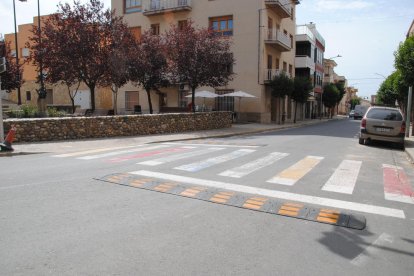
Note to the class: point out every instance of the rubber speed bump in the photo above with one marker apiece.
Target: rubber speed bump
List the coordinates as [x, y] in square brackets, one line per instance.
[241, 200]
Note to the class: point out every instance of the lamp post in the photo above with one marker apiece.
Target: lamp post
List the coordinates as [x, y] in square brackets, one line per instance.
[42, 90]
[19, 97]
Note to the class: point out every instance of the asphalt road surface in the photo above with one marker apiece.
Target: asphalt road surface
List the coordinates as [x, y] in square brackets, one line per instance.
[276, 203]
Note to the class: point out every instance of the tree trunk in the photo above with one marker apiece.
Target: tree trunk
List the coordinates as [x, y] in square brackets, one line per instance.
[115, 95]
[92, 89]
[149, 100]
[278, 109]
[296, 107]
[192, 99]
[73, 104]
[41, 106]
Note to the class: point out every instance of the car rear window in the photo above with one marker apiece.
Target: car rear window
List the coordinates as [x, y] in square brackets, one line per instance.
[384, 114]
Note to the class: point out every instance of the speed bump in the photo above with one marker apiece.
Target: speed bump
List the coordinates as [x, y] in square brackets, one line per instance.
[241, 200]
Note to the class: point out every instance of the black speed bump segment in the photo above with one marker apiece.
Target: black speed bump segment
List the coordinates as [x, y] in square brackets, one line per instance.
[241, 200]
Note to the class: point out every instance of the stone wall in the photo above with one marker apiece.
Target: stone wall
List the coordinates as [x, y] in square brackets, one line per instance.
[50, 129]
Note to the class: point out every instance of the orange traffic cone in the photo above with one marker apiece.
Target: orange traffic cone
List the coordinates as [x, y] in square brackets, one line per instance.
[7, 145]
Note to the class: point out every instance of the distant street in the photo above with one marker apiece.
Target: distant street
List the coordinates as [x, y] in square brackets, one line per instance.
[209, 207]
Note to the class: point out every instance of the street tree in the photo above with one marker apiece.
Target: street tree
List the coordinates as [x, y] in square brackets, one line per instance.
[80, 36]
[148, 64]
[404, 60]
[122, 52]
[199, 57]
[341, 90]
[301, 91]
[10, 79]
[330, 96]
[281, 86]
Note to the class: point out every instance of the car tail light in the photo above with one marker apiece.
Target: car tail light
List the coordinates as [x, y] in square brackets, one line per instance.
[402, 127]
[363, 123]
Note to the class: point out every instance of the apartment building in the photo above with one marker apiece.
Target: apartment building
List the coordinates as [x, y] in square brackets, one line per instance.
[263, 35]
[310, 48]
[411, 30]
[57, 95]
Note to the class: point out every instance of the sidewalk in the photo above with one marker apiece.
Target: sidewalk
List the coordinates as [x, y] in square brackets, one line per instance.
[121, 142]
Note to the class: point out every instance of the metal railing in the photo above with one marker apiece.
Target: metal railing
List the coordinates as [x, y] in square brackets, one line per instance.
[284, 4]
[269, 74]
[278, 36]
[159, 5]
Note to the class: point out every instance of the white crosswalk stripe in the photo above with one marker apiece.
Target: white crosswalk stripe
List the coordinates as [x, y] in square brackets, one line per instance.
[344, 178]
[197, 166]
[89, 157]
[176, 157]
[255, 165]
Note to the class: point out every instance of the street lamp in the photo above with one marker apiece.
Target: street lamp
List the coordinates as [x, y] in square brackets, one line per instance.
[337, 56]
[19, 97]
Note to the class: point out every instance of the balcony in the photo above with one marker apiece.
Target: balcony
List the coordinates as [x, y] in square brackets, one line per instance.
[283, 8]
[279, 40]
[269, 74]
[157, 7]
[304, 62]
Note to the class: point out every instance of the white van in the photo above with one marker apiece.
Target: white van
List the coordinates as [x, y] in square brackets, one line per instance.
[359, 111]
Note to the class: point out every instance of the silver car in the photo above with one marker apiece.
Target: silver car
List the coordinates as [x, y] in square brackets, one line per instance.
[382, 124]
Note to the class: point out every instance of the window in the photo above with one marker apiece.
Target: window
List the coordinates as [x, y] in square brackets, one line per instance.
[277, 64]
[269, 61]
[222, 25]
[224, 103]
[182, 24]
[155, 29]
[25, 52]
[284, 67]
[290, 69]
[133, 6]
[136, 32]
[131, 99]
[182, 100]
[291, 41]
[28, 96]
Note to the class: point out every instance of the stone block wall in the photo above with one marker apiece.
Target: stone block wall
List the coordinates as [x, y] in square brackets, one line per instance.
[71, 128]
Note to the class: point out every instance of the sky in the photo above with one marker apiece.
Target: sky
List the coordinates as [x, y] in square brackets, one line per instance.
[365, 33]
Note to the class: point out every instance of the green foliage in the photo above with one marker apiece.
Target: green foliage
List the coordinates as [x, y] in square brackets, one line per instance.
[330, 95]
[341, 89]
[354, 102]
[29, 111]
[281, 86]
[393, 89]
[404, 61]
[53, 112]
[301, 89]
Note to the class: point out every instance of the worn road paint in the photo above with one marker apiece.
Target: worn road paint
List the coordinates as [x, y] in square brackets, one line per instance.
[198, 166]
[255, 165]
[90, 151]
[371, 251]
[397, 187]
[90, 157]
[147, 154]
[344, 178]
[292, 174]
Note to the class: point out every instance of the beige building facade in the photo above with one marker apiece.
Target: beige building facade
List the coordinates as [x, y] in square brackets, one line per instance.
[263, 36]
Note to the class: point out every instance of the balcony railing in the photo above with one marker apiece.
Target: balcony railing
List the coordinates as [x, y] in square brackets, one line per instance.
[304, 62]
[155, 7]
[269, 74]
[282, 7]
[278, 39]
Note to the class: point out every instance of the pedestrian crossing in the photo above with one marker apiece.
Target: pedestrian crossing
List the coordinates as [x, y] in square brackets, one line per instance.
[180, 157]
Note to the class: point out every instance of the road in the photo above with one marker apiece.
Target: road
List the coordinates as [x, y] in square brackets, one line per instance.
[210, 207]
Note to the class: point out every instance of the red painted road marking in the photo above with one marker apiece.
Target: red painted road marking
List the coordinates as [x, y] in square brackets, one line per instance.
[397, 187]
[147, 154]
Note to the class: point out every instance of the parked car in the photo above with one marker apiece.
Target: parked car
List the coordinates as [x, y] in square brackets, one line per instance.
[359, 111]
[382, 124]
[351, 114]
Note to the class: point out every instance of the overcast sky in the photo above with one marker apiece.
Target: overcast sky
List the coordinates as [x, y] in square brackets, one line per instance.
[364, 32]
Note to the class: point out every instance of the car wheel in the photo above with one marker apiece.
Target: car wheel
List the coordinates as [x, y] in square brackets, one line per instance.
[361, 141]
